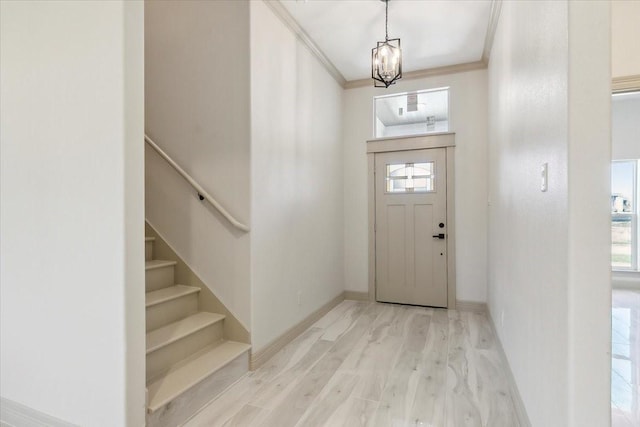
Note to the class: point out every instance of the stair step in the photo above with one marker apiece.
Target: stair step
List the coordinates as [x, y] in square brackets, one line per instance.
[185, 375]
[159, 274]
[158, 263]
[179, 340]
[167, 294]
[172, 332]
[169, 305]
[148, 248]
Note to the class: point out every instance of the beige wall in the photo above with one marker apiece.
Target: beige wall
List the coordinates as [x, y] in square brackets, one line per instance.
[72, 276]
[549, 285]
[296, 171]
[468, 104]
[625, 33]
[198, 111]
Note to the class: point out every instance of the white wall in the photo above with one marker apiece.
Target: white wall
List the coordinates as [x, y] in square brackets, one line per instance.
[625, 126]
[296, 168]
[625, 33]
[72, 277]
[549, 286]
[468, 110]
[197, 110]
[589, 172]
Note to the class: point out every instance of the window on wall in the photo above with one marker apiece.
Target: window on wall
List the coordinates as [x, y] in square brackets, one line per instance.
[624, 215]
[411, 113]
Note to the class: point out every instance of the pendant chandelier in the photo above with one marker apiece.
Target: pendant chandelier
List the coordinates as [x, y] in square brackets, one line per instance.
[386, 57]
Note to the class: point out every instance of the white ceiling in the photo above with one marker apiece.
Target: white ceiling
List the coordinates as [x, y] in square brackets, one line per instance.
[434, 33]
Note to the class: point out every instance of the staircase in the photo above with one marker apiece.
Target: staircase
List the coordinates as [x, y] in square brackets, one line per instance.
[189, 361]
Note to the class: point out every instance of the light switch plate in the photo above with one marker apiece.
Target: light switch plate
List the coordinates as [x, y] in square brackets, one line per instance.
[544, 177]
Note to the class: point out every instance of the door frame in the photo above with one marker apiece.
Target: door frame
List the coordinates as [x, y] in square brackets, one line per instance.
[382, 145]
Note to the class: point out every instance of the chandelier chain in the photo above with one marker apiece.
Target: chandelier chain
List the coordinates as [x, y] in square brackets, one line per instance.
[386, 20]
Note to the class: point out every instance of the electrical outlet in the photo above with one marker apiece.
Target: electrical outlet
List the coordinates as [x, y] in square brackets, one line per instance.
[544, 184]
[299, 298]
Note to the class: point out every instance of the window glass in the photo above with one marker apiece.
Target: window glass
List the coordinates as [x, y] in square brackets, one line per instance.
[624, 215]
[410, 178]
[412, 113]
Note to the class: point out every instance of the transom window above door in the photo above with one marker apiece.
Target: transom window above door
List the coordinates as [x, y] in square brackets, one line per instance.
[411, 113]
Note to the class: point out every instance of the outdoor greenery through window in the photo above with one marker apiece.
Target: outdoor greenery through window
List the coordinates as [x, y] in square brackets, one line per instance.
[624, 215]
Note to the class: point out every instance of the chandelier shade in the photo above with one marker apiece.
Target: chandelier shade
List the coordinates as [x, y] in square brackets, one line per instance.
[386, 58]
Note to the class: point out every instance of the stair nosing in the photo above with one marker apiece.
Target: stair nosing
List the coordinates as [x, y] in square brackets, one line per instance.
[154, 406]
[187, 290]
[158, 263]
[213, 320]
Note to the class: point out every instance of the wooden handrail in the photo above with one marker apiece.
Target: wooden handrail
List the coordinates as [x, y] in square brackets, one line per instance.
[201, 191]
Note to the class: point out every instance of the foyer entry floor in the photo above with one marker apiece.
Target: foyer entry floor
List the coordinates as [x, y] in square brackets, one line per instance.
[372, 364]
[625, 359]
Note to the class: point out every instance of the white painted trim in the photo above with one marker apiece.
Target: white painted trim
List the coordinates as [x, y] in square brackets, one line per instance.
[625, 280]
[281, 12]
[451, 228]
[371, 204]
[261, 356]
[625, 84]
[472, 306]
[357, 296]
[380, 145]
[17, 415]
[518, 404]
[427, 72]
[494, 17]
[416, 142]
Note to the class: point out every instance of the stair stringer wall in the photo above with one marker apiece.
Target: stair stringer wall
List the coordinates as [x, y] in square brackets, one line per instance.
[197, 110]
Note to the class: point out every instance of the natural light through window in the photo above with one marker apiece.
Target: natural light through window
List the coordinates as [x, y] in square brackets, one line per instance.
[410, 178]
[624, 215]
[411, 113]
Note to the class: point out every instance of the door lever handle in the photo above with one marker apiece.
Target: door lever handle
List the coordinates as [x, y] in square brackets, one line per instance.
[439, 236]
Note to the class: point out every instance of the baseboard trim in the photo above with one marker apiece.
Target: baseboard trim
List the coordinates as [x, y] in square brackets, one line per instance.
[473, 306]
[14, 414]
[521, 412]
[261, 356]
[357, 296]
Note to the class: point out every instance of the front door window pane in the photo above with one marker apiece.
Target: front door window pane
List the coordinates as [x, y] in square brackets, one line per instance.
[410, 178]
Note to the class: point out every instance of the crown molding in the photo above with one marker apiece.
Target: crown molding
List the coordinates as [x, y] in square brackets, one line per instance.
[281, 12]
[428, 72]
[494, 17]
[625, 84]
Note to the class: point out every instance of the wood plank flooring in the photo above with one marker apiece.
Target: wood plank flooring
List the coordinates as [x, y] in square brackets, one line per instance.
[372, 364]
[625, 358]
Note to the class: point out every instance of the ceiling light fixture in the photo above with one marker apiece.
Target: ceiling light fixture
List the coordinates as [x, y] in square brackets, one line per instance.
[386, 57]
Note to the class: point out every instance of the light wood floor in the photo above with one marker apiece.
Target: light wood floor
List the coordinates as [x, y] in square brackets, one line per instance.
[625, 359]
[371, 364]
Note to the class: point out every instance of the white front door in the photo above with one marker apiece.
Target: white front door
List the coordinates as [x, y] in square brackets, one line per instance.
[410, 227]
